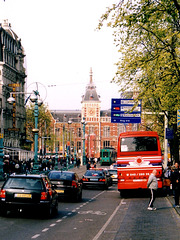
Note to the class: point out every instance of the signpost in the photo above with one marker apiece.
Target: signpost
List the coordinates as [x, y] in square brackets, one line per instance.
[121, 111]
[178, 118]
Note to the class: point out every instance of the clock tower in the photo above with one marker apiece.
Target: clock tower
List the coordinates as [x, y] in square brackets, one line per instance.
[91, 113]
[91, 103]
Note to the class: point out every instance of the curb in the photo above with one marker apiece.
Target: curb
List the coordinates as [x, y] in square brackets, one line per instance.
[171, 200]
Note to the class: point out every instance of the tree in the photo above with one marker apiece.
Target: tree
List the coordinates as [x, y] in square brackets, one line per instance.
[44, 123]
[147, 34]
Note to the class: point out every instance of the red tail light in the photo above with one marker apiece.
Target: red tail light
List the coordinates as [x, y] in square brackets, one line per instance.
[74, 184]
[102, 179]
[44, 195]
[50, 192]
[84, 179]
[2, 194]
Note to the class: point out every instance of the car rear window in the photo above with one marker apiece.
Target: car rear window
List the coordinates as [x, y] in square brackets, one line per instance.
[61, 176]
[24, 183]
[94, 173]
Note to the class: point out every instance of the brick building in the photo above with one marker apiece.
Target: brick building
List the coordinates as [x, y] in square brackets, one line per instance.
[99, 131]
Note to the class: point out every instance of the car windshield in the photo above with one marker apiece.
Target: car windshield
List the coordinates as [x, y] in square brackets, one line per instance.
[61, 176]
[94, 173]
[24, 183]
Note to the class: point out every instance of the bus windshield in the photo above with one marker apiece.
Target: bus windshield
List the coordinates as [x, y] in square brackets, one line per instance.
[137, 144]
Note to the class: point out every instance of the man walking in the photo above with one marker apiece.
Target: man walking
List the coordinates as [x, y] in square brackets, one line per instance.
[152, 184]
[175, 180]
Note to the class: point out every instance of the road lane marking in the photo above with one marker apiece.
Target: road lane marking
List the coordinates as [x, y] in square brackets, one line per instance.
[36, 236]
[108, 221]
[60, 220]
[53, 224]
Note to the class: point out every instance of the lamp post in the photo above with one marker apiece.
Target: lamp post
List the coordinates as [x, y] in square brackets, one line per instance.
[34, 98]
[69, 123]
[84, 154]
[56, 147]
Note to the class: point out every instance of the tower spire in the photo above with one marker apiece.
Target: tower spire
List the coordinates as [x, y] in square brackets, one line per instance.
[91, 74]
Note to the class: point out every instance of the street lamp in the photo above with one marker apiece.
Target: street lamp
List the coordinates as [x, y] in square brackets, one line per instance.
[34, 97]
[56, 146]
[69, 123]
[84, 154]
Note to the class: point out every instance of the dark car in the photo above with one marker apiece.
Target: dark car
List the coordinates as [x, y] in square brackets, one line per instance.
[96, 178]
[28, 192]
[67, 184]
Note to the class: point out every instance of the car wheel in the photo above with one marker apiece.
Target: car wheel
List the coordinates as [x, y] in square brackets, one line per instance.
[48, 211]
[55, 208]
[106, 187]
[80, 196]
[3, 212]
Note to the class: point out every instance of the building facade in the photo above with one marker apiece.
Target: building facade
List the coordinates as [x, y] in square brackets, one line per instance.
[99, 131]
[12, 80]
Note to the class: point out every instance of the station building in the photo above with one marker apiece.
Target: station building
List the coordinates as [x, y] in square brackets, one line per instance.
[99, 131]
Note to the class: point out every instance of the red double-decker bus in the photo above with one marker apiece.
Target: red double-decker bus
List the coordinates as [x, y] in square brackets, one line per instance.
[138, 154]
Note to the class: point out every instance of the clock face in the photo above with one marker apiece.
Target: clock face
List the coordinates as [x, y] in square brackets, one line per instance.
[91, 112]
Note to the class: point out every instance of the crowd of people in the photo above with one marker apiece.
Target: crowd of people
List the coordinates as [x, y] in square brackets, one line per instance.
[171, 182]
[45, 164]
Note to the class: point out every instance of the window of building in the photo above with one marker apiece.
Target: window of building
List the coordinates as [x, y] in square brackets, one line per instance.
[79, 134]
[91, 129]
[106, 144]
[78, 146]
[106, 131]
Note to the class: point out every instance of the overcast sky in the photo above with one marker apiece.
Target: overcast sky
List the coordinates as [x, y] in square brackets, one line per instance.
[61, 45]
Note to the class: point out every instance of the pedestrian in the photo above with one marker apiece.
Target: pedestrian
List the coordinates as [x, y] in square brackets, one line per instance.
[88, 166]
[175, 180]
[94, 166]
[152, 184]
[78, 162]
[167, 179]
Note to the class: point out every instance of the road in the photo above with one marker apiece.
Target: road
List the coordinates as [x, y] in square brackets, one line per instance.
[101, 215]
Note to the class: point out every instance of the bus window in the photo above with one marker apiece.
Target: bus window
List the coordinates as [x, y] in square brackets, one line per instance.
[137, 144]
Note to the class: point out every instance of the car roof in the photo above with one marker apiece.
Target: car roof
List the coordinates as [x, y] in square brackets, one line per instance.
[59, 171]
[96, 169]
[27, 175]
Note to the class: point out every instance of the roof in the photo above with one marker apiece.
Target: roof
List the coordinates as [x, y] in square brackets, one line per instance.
[7, 26]
[91, 94]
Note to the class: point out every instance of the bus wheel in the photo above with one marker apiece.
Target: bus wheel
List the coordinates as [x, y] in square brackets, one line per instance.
[123, 193]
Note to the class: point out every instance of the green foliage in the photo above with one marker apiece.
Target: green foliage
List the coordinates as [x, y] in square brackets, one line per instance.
[44, 122]
[147, 34]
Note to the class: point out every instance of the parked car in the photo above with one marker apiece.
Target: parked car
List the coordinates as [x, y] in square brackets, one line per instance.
[28, 192]
[113, 175]
[95, 178]
[67, 184]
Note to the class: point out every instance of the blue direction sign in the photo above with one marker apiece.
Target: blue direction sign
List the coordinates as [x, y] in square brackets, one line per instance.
[178, 118]
[121, 111]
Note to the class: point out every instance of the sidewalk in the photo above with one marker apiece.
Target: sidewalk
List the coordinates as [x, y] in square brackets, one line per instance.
[171, 200]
